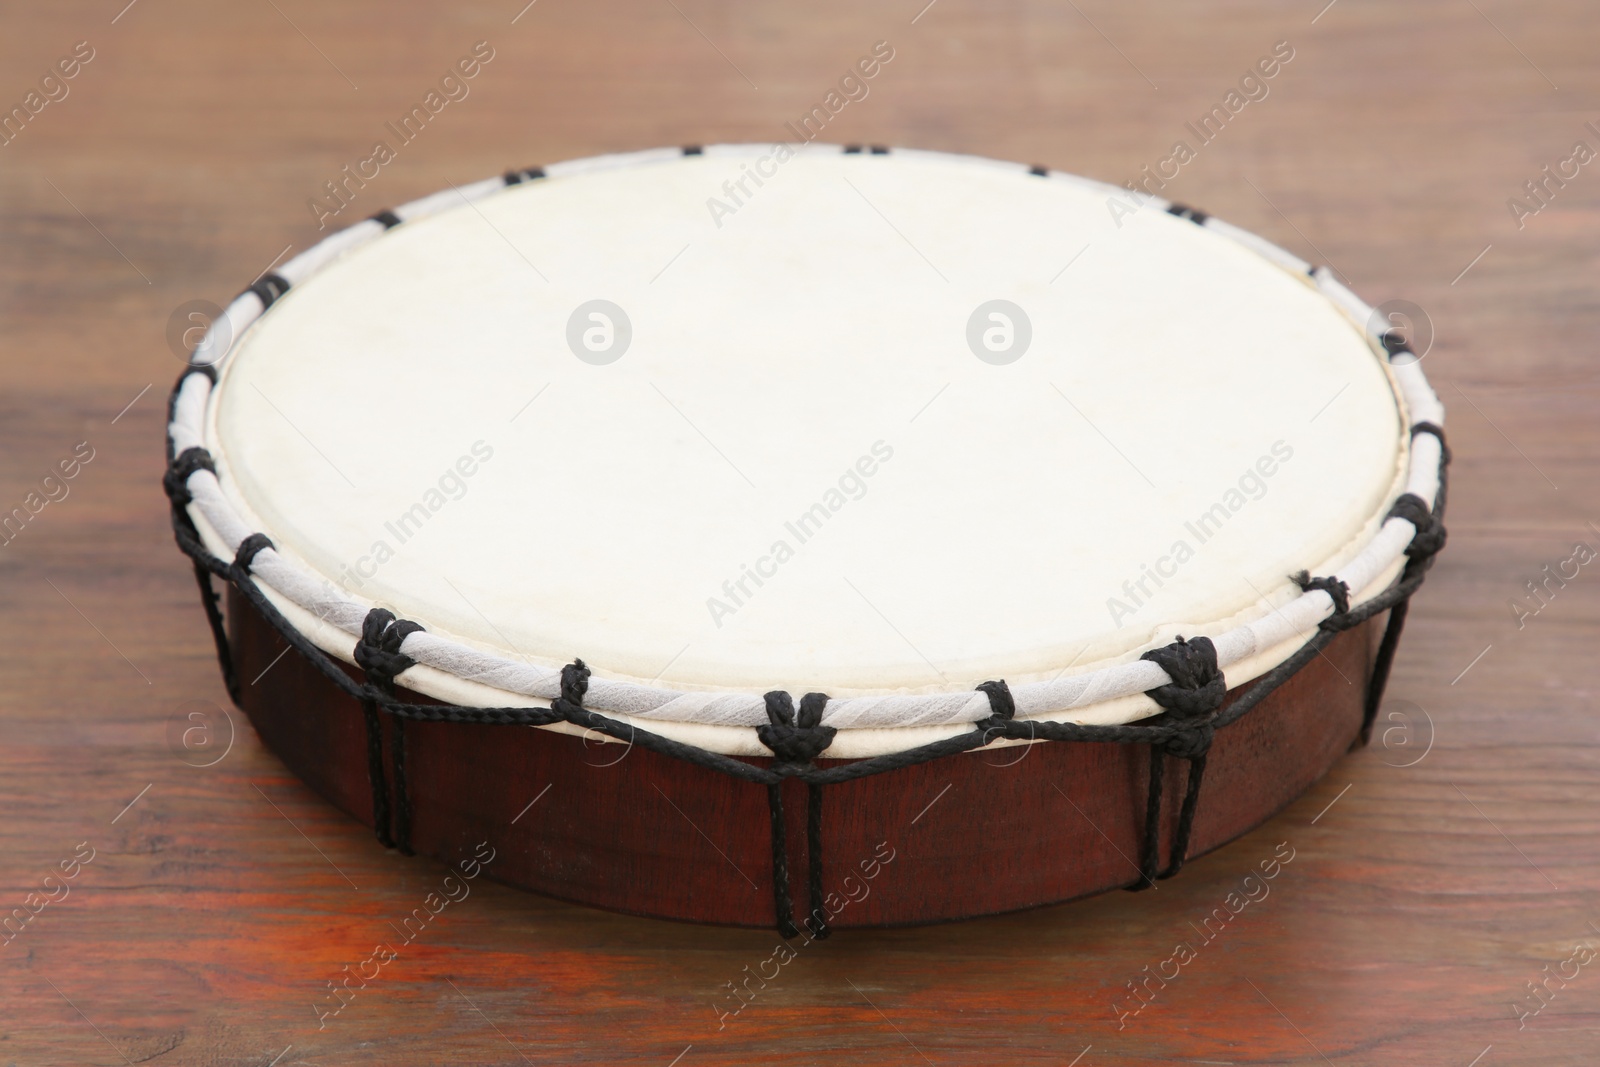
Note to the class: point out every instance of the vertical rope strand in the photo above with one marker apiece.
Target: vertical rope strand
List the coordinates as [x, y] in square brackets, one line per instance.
[1149, 852]
[380, 788]
[1381, 666]
[210, 599]
[402, 795]
[1191, 802]
[782, 907]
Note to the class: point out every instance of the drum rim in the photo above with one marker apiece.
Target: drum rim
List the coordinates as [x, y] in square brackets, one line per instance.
[1114, 693]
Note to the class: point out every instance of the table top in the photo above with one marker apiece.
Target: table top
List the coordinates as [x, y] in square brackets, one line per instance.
[1439, 904]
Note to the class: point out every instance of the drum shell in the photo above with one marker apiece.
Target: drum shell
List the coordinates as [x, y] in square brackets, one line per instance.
[627, 829]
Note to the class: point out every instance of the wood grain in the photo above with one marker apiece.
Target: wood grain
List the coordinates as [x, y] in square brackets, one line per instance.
[1434, 874]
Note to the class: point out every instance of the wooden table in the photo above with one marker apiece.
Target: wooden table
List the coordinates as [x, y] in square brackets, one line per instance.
[1435, 874]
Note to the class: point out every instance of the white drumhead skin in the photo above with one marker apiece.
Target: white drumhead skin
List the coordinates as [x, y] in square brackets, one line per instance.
[809, 356]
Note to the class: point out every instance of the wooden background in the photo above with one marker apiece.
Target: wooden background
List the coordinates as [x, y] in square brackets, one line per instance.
[1422, 898]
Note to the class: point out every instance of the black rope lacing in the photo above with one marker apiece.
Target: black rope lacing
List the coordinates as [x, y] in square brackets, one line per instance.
[176, 483]
[378, 654]
[1193, 702]
[1002, 707]
[796, 740]
[1338, 592]
[269, 288]
[1184, 211]
[1394, 343]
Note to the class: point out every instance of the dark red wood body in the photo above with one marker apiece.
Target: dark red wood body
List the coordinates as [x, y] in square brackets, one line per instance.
[628, 829]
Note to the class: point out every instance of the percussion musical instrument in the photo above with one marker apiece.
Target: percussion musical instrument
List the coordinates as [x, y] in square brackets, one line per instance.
[788, 535]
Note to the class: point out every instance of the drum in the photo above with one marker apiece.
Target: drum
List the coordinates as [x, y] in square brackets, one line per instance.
[805, 537]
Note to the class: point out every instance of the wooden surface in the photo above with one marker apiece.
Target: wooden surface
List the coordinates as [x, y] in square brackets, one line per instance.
[1433, 876]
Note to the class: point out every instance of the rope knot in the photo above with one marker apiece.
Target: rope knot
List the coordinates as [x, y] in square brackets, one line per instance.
[1191, 742]
[1002, 708]
[176, 480]
[1337, 590]
[1197, 687]
[1394, 342]
[269, 288]
[249, 548]
[378, 652]
[1437, 431]
[796, 738]
[1430, 535]
[575, 682]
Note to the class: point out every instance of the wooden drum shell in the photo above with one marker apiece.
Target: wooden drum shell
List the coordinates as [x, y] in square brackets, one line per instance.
[624, 828]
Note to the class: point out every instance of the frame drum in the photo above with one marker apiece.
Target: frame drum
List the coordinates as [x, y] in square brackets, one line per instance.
[764, 536]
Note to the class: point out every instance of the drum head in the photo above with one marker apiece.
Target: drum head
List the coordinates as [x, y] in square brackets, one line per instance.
[857, 423]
